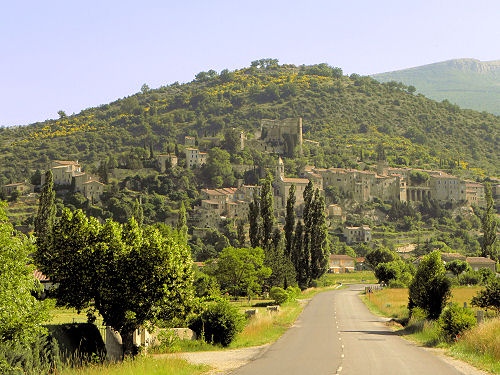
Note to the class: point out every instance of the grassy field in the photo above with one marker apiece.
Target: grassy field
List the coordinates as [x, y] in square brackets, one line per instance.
[61, 315]
[392, 302]
[480, 346]
[359, 277]
[146, 365]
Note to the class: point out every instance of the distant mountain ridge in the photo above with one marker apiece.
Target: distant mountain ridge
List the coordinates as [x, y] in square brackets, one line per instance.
[469, 83]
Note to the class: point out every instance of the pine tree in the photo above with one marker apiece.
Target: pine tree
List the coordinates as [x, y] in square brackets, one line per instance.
[289, 221]
[489, 226]
[253, 219]
[44, 219]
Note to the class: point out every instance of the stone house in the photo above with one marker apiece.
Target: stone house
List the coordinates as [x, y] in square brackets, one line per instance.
[476, 263]
[21, 187]
[195, 158]
[357, 234]
[164, 160]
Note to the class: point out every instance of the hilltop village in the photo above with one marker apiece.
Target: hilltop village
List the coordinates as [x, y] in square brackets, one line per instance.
[378, 182]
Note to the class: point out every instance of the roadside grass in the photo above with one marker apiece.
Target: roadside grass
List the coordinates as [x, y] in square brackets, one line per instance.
[145, 365]
[480, 346]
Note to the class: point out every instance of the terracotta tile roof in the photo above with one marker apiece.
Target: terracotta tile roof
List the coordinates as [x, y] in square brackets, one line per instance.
[340, 256]
[295, 180]
[66, 162]
[40, 276]
[481, 260]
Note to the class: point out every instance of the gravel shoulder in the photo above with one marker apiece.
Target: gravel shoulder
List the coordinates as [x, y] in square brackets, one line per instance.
[224, 361]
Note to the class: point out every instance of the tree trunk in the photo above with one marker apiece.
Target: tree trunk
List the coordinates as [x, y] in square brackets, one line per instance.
[129, 348]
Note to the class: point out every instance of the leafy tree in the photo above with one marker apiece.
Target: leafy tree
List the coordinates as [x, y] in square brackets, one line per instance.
[232, 140]
[61, 114]
[380, 255]
[386, 272]
[289, 221]
[457, 266]
[21, 314]
[489, 226]
[145, 89]
[430, 288]
[46, 210]
[130, 275]
[240, 271]
[218, 170]
[488, 298]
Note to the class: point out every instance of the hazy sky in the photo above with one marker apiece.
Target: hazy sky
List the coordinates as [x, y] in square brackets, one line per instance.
[75, 54]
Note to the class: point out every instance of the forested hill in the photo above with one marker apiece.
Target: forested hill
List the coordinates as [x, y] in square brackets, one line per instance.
[469, 83]
[348, 115]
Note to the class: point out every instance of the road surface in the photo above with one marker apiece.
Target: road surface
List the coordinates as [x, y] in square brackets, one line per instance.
[336, 334]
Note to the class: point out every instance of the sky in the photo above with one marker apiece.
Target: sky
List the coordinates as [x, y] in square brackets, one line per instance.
[71, 55]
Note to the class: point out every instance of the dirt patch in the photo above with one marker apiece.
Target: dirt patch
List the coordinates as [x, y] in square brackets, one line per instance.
[224, 361]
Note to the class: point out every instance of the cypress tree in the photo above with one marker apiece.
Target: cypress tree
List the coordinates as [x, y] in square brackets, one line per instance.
[299, 260]
[253, 220]
[319, 255]
[44, 219]
[489, 227]
[138, 213]
[240, 231]
[182, 222]
[289, 221]
[267, 213]
[306, 242]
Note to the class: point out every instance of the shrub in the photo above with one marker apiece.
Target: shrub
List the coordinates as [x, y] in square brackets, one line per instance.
[218, 323]
[489, 298]
[41, 356]
[279, 295]
[293, 291]
[455, 320]
[469, 278]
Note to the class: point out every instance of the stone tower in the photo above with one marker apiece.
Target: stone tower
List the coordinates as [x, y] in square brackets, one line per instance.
[280, 170]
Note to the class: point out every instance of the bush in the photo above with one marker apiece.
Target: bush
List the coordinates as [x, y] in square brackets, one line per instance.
[469, 278]
[293, 291]
[489, 298]
[279, 295]
[39, 357]
[218, 323]
[397, 284]
[455, 320]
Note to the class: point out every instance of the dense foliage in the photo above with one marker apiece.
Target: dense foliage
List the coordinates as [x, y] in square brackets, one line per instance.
[218, 323]
[455, 320]
[346, 114]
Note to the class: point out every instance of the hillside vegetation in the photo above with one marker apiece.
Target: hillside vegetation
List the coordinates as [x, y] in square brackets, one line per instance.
[348, 115]
[469, 83]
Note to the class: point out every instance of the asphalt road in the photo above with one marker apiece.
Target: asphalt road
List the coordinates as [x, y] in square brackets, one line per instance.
[336, 334]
